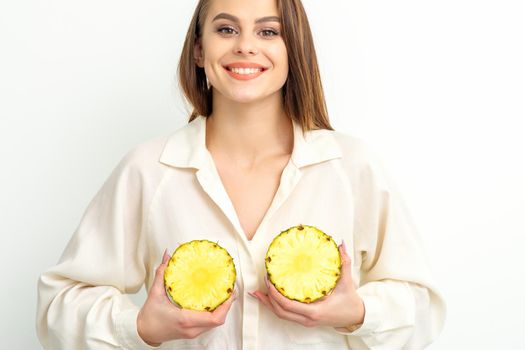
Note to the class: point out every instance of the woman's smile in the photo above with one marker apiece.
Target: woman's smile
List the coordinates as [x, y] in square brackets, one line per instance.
[244, 70]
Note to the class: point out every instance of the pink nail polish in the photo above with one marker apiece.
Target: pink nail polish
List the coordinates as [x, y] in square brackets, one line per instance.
[165, 256]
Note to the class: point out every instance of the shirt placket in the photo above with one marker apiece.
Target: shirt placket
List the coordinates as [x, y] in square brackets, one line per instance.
[249, 251]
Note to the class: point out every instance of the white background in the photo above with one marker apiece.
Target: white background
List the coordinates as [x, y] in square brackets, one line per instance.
[436, 87]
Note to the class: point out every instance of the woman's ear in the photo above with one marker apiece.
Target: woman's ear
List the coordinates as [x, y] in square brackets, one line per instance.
[198, 53]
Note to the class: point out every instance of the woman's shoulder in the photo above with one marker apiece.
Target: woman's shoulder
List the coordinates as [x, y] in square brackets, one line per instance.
[141, 161]
[145, 153]
[361, 160]
[355, 149]
[138, 169]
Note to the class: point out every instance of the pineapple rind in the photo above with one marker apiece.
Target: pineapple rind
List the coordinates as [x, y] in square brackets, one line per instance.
[322, 261]
[200, 276]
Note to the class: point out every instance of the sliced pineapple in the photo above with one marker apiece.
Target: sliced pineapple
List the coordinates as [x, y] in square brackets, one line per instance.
[303, 263]
[200, 275]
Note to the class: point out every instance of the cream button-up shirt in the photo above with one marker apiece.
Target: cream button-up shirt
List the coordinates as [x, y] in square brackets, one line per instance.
[167, 191]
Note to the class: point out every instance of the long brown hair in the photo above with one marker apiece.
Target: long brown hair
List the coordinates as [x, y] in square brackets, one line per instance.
[303, 94]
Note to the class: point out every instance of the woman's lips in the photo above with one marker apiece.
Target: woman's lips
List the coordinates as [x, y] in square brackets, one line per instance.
[245, 76]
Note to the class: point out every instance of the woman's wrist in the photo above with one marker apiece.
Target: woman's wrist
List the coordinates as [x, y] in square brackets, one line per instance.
[141, 331]
[359, 315]
[356, 310]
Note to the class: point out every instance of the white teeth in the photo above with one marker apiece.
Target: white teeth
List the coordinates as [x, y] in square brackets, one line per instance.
[246, 70]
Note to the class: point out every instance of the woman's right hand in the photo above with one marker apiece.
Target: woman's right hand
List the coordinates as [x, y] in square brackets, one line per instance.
[159, 320]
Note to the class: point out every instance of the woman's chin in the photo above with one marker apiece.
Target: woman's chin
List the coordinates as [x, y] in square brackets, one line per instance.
[245, 97]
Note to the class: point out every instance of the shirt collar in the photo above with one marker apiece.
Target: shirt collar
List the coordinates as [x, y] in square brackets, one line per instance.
[186, 147]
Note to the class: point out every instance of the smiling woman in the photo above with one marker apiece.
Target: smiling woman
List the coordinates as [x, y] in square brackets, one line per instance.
[282, 34]
[257, 156]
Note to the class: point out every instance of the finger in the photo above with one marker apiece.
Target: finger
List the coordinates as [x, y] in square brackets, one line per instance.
[209, 319]
[223, 309]
[288, 315]
[166, 257]
[287, 304]
[280, 312]
[346, 263]
[158, 288]
[193, 332]
[158, 283]
[263, 298]
[197, 319]
[343, 244]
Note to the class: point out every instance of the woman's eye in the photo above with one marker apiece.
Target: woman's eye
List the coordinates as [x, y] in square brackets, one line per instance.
[226, 30]
[269, 32]
[231, 31]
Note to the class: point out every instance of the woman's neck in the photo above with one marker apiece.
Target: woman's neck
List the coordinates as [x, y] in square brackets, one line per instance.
[250, 132]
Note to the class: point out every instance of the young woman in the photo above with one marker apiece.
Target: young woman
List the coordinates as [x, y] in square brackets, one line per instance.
[257, 157]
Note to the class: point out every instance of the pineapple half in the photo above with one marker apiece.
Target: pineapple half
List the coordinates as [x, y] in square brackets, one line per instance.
[303, 263]
[200, 275]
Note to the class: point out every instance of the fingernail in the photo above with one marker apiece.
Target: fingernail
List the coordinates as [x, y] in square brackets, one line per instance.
[253, 295]
[165, 256]
[344, 246]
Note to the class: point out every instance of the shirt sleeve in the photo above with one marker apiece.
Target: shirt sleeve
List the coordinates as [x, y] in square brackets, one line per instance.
[82, 301]
[403, 308]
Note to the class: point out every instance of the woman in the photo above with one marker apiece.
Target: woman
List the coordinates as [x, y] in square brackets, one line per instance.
[258, 156]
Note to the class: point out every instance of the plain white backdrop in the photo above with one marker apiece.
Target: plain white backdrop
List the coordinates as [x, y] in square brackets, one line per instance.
[436, 87]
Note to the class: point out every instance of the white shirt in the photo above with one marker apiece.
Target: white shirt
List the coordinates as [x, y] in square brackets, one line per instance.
[167, 191]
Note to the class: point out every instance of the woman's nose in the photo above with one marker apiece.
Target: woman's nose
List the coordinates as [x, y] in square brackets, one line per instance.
[246, 44]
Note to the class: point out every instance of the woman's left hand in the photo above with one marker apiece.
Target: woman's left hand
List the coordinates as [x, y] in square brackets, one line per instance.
[340, 309]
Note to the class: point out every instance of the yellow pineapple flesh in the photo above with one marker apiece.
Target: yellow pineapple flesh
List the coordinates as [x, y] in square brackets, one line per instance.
[303, 263]
[200, 275]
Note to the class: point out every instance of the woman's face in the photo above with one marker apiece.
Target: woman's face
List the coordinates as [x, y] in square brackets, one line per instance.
[242, 50]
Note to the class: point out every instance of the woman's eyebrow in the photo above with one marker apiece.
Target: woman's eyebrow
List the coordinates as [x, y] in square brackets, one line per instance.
[236, 19]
